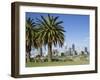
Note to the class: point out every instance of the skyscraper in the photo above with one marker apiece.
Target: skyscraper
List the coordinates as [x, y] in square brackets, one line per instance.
[73, 47]
[85, 49]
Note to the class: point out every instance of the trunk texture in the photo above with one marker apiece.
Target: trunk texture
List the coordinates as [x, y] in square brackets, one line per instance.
[41, 51]
[49, 52]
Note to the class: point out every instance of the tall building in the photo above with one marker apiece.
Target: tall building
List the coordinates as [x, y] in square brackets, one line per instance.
[86, 50]
[73, 47]
[73, 50]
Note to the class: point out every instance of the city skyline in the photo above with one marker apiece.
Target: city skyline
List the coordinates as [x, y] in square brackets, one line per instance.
[64, 50]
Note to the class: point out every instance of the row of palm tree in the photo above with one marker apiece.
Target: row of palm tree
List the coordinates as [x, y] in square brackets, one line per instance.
[46, 31]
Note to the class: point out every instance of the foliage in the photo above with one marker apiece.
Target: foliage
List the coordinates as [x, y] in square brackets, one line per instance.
[62, 54]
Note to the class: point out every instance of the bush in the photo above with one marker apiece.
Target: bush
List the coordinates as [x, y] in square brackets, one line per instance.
[62, 54]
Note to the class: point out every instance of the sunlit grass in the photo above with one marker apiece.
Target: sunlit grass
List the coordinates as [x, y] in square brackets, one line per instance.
[74, 61]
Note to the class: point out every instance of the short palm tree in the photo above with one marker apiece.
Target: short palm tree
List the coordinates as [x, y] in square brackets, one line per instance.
[51, 32]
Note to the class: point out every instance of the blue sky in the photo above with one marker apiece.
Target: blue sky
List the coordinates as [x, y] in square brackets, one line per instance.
[76, 27]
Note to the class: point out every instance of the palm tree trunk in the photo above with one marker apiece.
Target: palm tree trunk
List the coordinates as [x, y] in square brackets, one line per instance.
[49, 52]
[41, 51]
[28, 54]
[28, 59]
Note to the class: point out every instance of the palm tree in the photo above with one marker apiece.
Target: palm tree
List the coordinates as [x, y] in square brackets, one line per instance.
[30, 37]
[51, 32]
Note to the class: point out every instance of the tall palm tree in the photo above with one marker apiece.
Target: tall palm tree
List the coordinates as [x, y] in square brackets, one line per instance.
[51, 32]
[30, 37]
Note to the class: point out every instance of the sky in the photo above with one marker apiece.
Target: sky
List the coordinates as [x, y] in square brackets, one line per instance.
[75, 25]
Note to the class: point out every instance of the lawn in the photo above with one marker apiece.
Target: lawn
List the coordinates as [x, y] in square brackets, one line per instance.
[58, 63]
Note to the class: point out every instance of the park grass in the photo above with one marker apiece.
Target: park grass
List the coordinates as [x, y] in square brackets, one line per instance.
[57, 63]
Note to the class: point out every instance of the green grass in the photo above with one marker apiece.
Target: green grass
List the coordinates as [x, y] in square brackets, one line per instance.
[57, 63]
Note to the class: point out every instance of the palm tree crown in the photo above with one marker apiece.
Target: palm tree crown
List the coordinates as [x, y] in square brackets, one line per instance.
[51, 30]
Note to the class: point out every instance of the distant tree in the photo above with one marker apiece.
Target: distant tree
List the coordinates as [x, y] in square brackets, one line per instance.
[82, 52]
[62, 54]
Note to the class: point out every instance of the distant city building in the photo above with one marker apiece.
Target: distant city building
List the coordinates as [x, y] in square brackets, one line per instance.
[73, 47]
[74, 52]
[86, 50]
